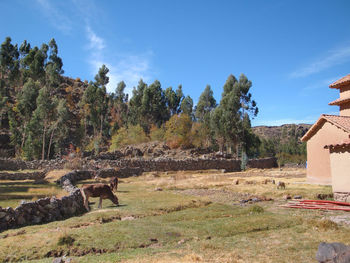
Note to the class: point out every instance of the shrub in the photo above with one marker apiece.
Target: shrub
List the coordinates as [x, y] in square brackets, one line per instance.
[132, 135]
[178, 131]
[74, 164]
[256, 209]
[65, 240]
[323, 224]
[157, 134]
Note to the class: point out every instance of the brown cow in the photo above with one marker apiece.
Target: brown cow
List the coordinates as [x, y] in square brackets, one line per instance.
[103, 191]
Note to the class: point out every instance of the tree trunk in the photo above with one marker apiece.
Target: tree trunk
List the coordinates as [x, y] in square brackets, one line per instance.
[23, 137]
[101, 125]
[50, 142]
[43, 149]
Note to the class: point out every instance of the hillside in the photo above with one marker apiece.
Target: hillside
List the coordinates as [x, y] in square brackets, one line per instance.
[284, 132]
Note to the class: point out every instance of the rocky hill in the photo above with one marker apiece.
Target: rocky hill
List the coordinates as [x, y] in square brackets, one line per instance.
[282, 132]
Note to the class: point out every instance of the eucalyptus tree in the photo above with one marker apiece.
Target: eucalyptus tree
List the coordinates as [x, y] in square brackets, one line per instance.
[94, 103]
[53, 67]
[206, 104]
[187, 106]
[235, 104]
[153, 106]
[135, 104]
[119, 109]
[173, 99]
[46, 114]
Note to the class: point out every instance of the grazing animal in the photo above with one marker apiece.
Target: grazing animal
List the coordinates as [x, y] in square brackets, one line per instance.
[113, 183]
[103, 191]
[281, 185]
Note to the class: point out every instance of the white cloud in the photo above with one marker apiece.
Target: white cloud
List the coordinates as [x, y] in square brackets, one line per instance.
[95, 42]
[322, 84]
[334, 57]
[55, 15]
[129, 68]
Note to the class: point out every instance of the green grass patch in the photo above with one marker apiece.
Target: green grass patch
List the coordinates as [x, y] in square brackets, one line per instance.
[164, 226]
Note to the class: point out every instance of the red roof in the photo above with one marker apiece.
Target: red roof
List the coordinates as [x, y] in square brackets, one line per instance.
[337, 145]
[340, 82]
[339, 101]
[342, 122]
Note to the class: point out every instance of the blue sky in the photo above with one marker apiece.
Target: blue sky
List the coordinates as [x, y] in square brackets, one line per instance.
[290, 49]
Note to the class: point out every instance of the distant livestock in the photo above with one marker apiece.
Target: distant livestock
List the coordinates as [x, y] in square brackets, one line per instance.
[281, 185]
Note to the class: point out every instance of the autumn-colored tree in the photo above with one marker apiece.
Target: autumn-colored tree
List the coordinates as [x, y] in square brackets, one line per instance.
[178, 131]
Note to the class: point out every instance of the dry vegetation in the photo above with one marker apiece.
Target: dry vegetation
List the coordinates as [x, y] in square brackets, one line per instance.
[188, 217]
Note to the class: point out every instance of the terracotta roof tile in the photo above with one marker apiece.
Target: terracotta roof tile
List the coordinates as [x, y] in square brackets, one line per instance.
[339, 101]
[342, 122]
[340, 82]
[337, 145]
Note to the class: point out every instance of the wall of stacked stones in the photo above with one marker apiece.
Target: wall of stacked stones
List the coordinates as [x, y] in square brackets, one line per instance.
[47, 209]
[146, 165]
[22, 176]
[229, 165]
[342, 197]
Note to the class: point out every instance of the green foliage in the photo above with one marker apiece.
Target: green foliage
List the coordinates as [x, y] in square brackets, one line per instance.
[119, 107]
[205, 105]
[157, 134]
[173, 99]
[153, 106]
[65, 240]
[126, 136]
[94, 104]
[256, 209]
[230, 120]
[187, 106]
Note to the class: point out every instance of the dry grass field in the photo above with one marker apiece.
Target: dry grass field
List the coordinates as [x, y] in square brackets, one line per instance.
[188, 217]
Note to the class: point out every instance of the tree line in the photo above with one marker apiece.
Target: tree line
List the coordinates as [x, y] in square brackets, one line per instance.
[43, 120]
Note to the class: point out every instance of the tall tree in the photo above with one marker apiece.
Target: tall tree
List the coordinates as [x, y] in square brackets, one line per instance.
[54, 66]
[236, 101]
[187, 106]
[26, 105]
[153, 110]
[135, 104]
[119, 109]
[94, 103]
[173, 99]
[9, 64]
[45, 113]
[59, 129]
[206, 103]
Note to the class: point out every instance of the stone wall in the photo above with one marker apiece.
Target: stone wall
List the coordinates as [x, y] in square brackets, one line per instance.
[341, 197]
[22, 176]
[46, 209]
[167, 164]
[135, 166]
[16, 164]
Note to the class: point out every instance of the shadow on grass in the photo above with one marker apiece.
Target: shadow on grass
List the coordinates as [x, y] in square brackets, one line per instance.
[20, 197]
